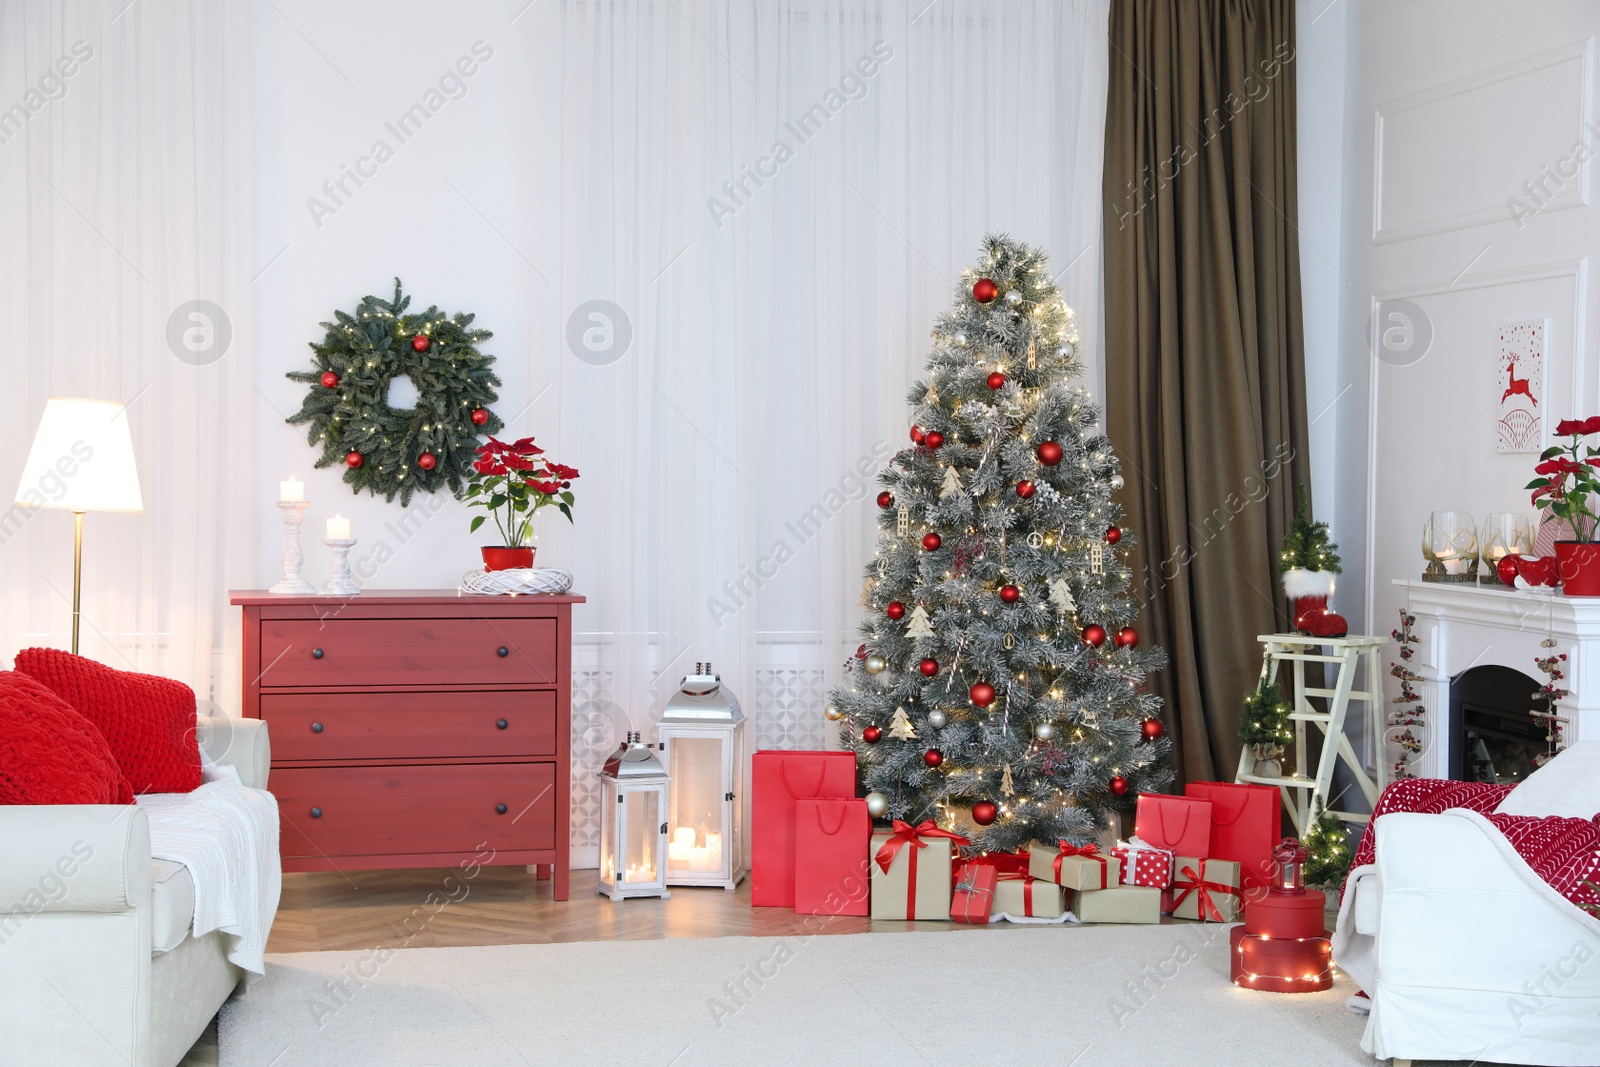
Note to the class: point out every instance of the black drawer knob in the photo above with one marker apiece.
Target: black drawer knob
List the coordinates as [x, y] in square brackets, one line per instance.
[501, 808]
[501, 724]
[316, 813]
[316, 727]
[502, 652]
[316, 653]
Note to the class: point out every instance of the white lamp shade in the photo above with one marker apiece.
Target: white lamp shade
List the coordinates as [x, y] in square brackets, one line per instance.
[82, 459]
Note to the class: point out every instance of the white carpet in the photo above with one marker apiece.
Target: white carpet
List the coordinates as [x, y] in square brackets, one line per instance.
[1124, 995]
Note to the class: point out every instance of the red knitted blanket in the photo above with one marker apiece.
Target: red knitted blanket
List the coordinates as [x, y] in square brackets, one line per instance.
[1564, 852]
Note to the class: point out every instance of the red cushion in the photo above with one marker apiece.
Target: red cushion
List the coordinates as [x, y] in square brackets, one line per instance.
[49, 754]
[149, 722]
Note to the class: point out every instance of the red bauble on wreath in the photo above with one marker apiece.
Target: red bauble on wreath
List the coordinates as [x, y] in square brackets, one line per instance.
[353, 459]
[427, 461]
[1010, 594]
[1094, 635]
[871, 734]
[1113, 535]
[329, 380]
[1049, 453]
[895, 610]
[886, 499]
[420, 342]
[933, 757]
[984, 813]
[982, 694]
[479, 416]
[1026, 490]
[1118, 785]
[1127, 637]
[931, 542]
[932, 439]
[984, 291]
[928, 667]
[997, 380]
[1153, 729]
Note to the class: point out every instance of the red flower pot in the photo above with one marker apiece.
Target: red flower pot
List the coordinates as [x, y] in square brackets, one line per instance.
[1578, 564]
[501, 558]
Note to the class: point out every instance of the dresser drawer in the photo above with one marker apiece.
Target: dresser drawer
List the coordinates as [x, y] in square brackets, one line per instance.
[347, 726]
[376, 811]
[460, 651]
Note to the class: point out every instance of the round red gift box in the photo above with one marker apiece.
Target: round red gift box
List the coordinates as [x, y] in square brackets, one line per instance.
[1285, 914]
[1280, 964]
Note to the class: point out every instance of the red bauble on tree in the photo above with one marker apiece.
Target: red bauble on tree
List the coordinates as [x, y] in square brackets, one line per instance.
[932, 439]
[982, 694]
[1010, 594]
[1153, 729]
[427, 461]
[420, 342]
[895, 609]
[916, 434]
[330, 380]
[928, 667]
[1026, 490]
[1118, 785]
[933, 757]
[1049, 453]
[871, 734]
[1094, 634]
[479, 416]
[984, 812]
[1113, 535]
[886, 499]
[997, 380]
[984, 290]
[353, 459]
[1127, 637]
[931, 542]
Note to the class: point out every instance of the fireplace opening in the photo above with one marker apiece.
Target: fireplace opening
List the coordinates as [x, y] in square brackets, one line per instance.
[1493, 737]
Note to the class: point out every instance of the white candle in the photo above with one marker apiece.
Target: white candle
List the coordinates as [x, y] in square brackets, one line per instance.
[714, 847]
[683, 835]
[338, 528]
[679, 855]
[291, 491]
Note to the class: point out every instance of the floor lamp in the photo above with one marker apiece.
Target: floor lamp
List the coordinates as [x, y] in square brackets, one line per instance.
[81, 460]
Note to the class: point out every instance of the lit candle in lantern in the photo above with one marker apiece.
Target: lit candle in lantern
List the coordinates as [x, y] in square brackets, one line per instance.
[338, 528]
[292, 491]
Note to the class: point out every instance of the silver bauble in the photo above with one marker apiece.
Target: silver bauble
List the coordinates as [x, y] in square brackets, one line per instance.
[832, 713]
[937, 719]
[1013, 297]
[1044, 731]
[876, 664]
[961, 338]
[877, 805]
[1117, 482]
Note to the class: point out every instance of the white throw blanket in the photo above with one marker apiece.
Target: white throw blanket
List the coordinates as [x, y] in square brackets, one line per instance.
[227, 836]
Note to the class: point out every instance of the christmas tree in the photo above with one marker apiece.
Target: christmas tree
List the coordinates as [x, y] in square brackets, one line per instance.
[1026, 700]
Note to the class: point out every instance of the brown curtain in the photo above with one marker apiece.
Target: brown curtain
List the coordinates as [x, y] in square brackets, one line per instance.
[1205, 365]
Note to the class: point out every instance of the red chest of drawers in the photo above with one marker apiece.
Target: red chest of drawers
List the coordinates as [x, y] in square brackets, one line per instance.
[415, 728]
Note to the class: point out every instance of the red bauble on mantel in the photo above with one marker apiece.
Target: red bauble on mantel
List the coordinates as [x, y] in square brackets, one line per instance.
[420, 342]
[330, 380]
[982, 694]
[1094, 635]
[928, 667]
[353, 459]
[427, 461]
[1118, 785]
[1026, 490]
[1049, 453]
[1507, 569]
[984, 812]
[933, 757]
[932, 439]
[1127, 637]
[1153, 729]
[1010, 594]
[886, 499]
[1113, 535]
[997, 380]
[931, 542]
[479, 416]
[895, 610]
[871, 734]
[984, 290]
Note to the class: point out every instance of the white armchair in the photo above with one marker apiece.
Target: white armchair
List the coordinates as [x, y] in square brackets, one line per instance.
[97, 965]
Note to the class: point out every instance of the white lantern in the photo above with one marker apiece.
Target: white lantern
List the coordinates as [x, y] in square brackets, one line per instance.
[702, 745]
[633, 825]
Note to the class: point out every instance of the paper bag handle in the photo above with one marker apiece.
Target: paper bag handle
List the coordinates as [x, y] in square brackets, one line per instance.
[1161, 822]
[811, 794]
[844, 813]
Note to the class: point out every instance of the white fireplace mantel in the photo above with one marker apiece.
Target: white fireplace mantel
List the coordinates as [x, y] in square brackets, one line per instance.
[1465, 626]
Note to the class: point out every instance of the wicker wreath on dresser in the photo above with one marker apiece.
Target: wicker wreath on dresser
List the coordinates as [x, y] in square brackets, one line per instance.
[516, 580]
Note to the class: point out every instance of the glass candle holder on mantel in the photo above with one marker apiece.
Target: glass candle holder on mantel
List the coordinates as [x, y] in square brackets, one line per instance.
[1503, 533]
[1450, 545]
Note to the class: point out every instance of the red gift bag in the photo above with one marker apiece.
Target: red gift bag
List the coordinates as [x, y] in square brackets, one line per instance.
[1244, 826]
[830, 857]
[1181, 825]
[778, 780]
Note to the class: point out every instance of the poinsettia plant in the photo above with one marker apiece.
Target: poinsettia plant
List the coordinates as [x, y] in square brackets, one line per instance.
[512, 481]
[1567, 477]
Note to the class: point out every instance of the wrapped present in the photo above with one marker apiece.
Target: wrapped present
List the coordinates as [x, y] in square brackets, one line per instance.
[1144, 864]
[1280, 964]
[1206, 889]
[1181, 825]
[911, 871]
[1287, 915]
[1019, 895]
[972, 899]
[1244, 826]
[1004, 862]
[1119, 904]
[778, 780]
[830, 849]
[1074, 866]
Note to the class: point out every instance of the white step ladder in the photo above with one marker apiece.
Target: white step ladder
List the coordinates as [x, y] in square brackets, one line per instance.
[1301, 793]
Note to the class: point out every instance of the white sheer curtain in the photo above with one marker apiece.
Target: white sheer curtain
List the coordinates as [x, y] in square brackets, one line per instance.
[125, 192]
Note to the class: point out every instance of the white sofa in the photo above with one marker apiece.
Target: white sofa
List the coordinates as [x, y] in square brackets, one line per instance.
[1462, 958]
[97, 965]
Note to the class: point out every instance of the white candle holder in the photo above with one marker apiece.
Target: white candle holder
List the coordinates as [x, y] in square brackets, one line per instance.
[339, 582]
[293, 557]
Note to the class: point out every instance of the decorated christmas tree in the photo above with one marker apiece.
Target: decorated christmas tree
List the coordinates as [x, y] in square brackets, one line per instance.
[1025, 691]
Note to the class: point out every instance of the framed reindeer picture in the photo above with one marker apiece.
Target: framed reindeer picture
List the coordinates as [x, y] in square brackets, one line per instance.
[1519, 385]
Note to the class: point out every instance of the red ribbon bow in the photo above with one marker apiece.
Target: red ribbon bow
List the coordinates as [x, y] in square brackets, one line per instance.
[915, 836]
[1204, 905]
[1088, 851]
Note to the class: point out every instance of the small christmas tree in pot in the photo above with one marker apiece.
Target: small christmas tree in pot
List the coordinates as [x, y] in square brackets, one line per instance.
[1310, 565]
[1264, 727]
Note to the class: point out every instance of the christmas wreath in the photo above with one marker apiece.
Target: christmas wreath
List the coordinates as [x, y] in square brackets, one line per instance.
[399, 450]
